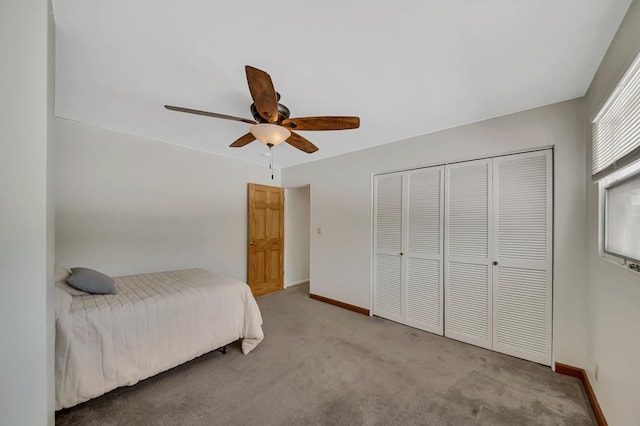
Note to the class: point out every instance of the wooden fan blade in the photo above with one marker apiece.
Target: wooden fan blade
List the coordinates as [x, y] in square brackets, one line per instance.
[301, 143]
[243, 140]
[322, 123]
[209, 114]
[263, 93]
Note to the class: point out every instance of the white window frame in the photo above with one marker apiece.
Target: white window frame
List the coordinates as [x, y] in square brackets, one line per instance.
[628, 172]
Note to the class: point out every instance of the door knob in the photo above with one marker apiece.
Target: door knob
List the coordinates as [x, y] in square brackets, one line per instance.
[251, 243]
[495, 263]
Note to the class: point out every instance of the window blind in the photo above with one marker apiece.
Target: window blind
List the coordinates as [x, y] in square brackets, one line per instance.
[616, 128]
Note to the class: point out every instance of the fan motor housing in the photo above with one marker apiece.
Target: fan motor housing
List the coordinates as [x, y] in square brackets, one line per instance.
[283, 114]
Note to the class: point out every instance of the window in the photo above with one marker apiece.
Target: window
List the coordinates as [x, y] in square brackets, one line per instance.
[622, 218]
[616, 167]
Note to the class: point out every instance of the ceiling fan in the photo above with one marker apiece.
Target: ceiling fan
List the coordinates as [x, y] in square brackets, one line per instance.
[271, 124]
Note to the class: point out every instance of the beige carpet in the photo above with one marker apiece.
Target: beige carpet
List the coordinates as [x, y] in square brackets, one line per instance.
[322, 365]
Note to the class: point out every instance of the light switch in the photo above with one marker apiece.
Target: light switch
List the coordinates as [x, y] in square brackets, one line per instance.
[319, 230]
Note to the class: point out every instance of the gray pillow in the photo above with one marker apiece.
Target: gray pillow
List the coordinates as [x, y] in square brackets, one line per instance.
[91, 281]
[61, 274]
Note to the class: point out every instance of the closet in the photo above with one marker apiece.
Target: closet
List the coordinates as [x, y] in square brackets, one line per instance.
[408, 248]
[464, 250]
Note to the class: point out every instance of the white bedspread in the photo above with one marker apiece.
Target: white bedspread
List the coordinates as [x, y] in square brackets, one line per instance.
[155, 322]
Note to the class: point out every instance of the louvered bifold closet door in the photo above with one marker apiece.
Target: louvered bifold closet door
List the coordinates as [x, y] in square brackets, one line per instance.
[522, 276]
[424, 235]
[388, 294]
[467, 279]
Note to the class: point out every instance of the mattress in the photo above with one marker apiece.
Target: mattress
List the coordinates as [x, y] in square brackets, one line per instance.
[155, 322]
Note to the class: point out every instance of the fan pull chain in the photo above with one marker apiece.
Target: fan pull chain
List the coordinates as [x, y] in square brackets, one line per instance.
[271, 160]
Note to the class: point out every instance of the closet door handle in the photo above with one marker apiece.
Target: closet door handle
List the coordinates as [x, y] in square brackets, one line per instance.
[401, 254]
[495, 263]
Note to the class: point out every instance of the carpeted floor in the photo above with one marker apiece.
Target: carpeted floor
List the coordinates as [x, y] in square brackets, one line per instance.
[322, 365]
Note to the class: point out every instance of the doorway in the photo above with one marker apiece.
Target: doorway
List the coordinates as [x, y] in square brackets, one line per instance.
[297, 235]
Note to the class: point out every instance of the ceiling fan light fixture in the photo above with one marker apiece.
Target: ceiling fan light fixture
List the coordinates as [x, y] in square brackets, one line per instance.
[270, 134]
[272, 122]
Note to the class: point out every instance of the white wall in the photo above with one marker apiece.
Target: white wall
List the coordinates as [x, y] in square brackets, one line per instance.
[296, 235]
[341, 204]
[25, 397]
[126, 205]
[613, 339]
[51, 332]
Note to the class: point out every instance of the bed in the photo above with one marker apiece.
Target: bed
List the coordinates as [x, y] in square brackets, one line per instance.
[153, 323]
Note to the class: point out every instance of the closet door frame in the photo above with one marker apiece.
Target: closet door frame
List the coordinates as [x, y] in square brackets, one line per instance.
[493, 255]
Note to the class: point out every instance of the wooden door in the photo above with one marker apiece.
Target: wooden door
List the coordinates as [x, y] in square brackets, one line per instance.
[266, 239]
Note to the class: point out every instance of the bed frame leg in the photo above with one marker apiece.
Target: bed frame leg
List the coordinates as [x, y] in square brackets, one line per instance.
[223, 349]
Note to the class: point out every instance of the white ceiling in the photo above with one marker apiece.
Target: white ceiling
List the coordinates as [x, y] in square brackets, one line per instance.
[406, 67]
